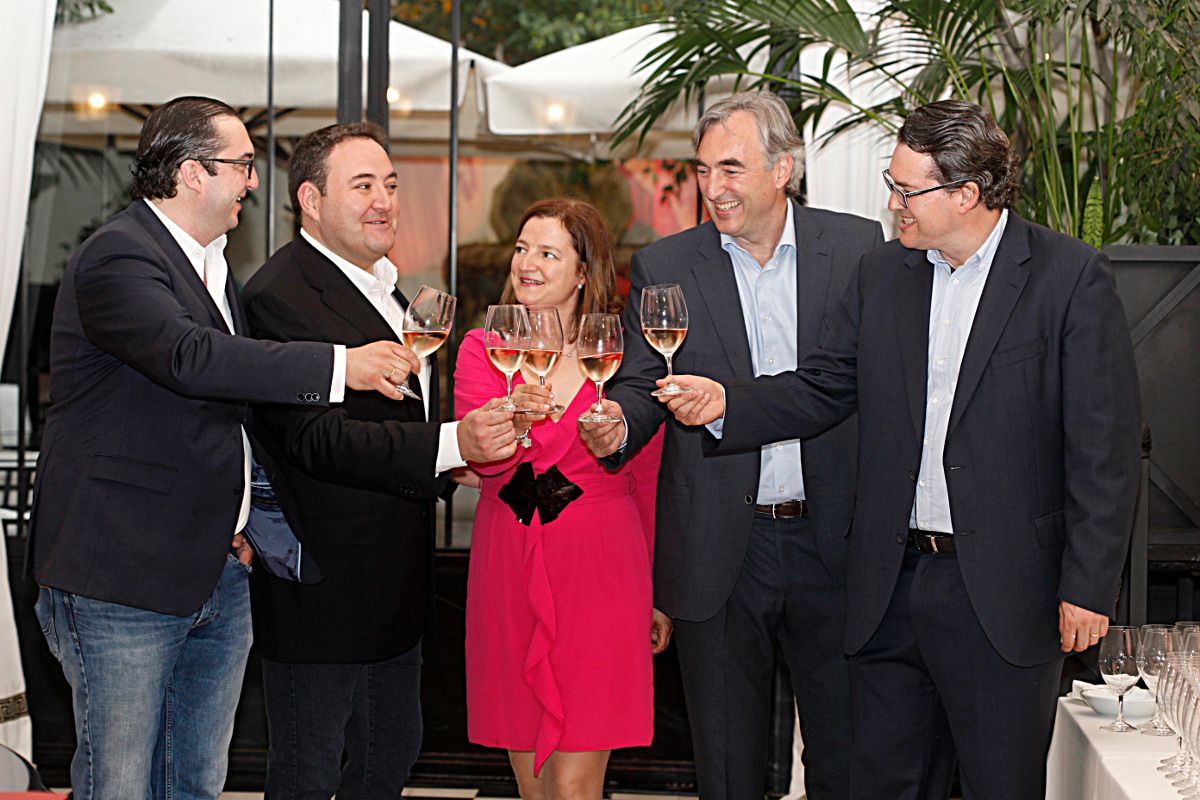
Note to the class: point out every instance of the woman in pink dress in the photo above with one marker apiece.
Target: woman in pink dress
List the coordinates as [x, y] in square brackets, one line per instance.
[560, 626]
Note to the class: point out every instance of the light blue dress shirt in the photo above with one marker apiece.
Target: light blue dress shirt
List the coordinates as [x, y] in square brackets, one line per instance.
[768, 296]
[955, 299]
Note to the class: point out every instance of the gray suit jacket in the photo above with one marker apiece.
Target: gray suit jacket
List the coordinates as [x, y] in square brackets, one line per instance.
[706, 504]
[1042, 449]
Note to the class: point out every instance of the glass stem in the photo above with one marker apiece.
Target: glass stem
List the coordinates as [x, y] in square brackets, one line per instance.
[542, 381]
[508, 376]
[670, 372]
[1120, 709]
[599, 396]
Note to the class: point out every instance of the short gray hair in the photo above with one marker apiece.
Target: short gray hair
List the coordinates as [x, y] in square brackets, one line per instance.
[776, 129]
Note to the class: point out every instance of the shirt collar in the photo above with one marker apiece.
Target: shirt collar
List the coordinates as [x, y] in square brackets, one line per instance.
[380, 280]
[985, 253]
[191, 248]
[787, 238]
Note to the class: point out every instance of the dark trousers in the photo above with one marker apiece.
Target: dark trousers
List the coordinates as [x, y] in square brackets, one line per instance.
[930, 669]
[349, 729]
[784, 594]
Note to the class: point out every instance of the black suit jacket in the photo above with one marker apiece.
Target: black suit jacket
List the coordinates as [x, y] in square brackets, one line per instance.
[1042, 449]
[706, 504]
[141, 473]
[356, 482]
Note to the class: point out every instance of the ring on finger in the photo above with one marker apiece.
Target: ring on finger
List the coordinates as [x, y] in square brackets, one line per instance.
[388, 377]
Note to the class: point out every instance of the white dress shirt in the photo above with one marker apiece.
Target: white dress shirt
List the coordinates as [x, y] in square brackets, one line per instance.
[952, 308]
[379, 286]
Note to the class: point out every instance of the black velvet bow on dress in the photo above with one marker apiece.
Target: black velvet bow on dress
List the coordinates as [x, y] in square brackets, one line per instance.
[549, 493]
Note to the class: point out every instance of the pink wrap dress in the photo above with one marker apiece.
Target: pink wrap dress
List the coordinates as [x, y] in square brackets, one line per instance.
[558, 615]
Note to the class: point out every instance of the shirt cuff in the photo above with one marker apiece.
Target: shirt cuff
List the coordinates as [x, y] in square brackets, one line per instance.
[625, 440]
[717, 426]
[448, 456]
[337, 390]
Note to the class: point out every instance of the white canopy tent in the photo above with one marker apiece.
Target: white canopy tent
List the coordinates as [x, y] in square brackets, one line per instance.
[580, 92]
[147, 51]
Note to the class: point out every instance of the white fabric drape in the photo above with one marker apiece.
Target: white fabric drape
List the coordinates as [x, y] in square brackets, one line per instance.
[24, 63]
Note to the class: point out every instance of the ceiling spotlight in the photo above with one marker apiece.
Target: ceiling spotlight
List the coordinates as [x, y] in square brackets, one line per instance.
[97, 101]
[393, 94]
[555, 112]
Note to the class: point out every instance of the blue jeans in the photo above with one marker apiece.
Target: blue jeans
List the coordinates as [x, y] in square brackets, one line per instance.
[371, 713]
[154, 694]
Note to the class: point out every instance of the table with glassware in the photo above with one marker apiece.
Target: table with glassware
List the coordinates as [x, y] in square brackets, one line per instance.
[1097, 754]
[1089, 763]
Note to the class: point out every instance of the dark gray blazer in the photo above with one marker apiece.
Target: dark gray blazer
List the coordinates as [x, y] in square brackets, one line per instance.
[141, 473]
[1042, 450]
[706, 503]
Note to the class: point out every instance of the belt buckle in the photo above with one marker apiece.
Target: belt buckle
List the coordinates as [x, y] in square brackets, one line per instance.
[773, 507]
[933, 543]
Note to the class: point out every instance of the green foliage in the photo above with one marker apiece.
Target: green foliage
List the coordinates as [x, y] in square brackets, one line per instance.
[1054, 74]
[78, 10]
[514, 31]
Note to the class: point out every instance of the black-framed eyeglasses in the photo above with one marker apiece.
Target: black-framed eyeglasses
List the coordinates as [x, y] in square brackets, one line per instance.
[246, 163]
[903, 196]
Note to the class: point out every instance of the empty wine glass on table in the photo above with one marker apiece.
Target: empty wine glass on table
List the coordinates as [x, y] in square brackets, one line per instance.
[1157, 642]
[545, 346]
[1118, 667]
[665, 324]
[599, 350]
[506, 341]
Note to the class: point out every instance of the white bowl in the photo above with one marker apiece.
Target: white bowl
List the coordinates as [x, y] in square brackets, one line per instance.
[1139, 703]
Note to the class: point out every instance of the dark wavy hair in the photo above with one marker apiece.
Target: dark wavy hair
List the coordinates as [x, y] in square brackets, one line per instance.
[177, 130]
[593, 242]
[966, 144]
[310, 159]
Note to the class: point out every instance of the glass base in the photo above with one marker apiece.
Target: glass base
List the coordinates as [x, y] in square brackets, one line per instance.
[1157, 728]
[508, 405]
[1118, 726]
[597, 416]
[671, 389]
[554, 409]
[407, 392]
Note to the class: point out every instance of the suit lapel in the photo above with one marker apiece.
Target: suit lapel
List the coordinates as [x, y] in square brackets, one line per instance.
[713, 271]
[340, 295]
[812, 279]
[914, 295]
[178, 260]
[1005, 282]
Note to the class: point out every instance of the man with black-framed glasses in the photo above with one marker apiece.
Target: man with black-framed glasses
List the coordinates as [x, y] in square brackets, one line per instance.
[142, 493]
[990, 363]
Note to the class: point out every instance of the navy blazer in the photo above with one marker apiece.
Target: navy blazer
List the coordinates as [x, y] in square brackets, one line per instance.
[1043, 446]
[141, 474]
[705, 505]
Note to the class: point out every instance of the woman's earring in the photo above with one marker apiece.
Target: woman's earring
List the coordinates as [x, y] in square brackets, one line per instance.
[580, 286]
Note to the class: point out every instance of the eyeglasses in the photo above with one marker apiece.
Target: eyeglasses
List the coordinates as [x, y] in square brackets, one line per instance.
[903, 196]
[246, 164]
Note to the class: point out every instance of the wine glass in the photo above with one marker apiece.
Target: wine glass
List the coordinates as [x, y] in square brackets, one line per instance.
[506, 340]
[427, 323]
[599, 350]
[665, 324]
[1118, 667]
[545, 347]
[1157, 642]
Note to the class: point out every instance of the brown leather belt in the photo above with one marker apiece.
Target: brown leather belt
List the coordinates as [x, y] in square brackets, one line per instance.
[939, 543]
[790, 509]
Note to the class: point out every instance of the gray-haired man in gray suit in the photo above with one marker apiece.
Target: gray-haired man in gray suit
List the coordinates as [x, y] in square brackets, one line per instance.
[749, 552]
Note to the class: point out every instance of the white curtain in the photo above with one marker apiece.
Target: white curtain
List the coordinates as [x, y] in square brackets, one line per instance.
[24, 63]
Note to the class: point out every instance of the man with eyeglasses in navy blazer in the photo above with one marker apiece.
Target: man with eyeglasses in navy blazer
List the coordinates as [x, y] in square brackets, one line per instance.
[142, 489]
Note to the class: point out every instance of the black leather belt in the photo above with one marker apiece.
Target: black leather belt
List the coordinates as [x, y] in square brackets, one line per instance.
[926, 542]
[790, 509]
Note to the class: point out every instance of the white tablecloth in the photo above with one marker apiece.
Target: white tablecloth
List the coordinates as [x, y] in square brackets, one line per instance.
[1087, 763]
